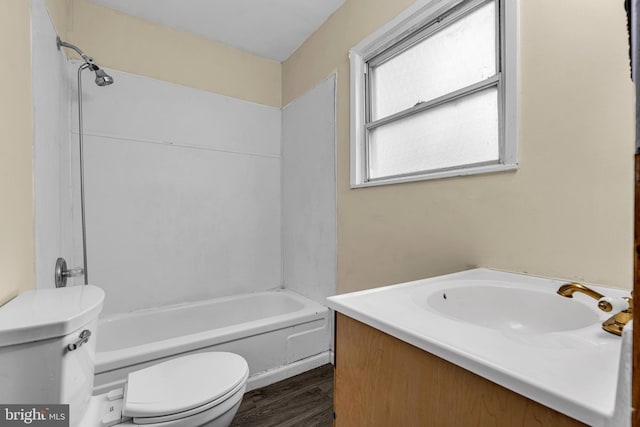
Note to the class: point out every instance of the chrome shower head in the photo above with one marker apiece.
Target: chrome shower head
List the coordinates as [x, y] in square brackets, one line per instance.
[102, 78]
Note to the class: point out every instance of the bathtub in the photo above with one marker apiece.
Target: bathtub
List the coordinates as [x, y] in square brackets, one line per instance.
[279, 333]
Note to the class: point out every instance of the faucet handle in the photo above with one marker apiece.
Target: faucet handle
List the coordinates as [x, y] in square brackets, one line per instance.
[622, 306]
[613, 304]
[617, 322]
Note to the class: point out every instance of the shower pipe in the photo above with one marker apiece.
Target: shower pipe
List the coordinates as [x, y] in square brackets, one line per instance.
[102, 79]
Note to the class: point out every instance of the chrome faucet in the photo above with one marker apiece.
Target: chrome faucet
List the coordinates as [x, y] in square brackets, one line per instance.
[615, 323]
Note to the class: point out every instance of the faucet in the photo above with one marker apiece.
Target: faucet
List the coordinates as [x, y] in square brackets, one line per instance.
[615, 323]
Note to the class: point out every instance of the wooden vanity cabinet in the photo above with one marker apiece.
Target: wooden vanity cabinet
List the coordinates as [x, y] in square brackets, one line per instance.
[386, 382]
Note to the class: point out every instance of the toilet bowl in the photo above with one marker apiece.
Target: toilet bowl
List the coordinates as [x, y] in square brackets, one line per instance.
[203, 389]
[51, 334]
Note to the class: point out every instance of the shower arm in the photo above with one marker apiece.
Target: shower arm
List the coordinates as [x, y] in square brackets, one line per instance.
[87, 59]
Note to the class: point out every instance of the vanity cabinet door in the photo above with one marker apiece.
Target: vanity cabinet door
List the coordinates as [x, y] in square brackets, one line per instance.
[383, 381]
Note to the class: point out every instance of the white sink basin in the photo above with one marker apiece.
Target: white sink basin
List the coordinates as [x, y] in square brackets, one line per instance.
[513, 330]
[519, 310]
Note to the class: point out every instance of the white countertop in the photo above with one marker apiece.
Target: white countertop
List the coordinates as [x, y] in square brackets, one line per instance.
[574, 371]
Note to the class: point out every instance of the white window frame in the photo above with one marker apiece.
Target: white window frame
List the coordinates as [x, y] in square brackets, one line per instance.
[408, 22]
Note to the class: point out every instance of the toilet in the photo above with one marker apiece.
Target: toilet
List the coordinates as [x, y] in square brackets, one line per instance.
[47, 356]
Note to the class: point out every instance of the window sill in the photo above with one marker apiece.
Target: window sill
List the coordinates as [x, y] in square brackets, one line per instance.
[439, 175]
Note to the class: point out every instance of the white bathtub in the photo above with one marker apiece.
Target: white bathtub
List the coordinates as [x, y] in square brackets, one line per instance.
[279, 333]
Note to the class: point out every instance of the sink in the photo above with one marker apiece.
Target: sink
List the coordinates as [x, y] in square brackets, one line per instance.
[511, 329]
[523, 311]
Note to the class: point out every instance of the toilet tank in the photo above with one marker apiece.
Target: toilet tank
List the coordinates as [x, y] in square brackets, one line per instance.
[37, 366]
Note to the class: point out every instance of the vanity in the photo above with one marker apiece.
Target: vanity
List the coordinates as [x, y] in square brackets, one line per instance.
[480, 347]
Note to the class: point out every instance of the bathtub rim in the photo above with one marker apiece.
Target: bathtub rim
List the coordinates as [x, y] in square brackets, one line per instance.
[196, 303]
[111, 360]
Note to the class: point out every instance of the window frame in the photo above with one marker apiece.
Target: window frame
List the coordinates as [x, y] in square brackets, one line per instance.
[415, 24]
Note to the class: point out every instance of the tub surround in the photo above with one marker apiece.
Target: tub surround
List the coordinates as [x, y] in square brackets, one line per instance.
[51, 130]
[182, 187]
[553, 368]
[309, 241]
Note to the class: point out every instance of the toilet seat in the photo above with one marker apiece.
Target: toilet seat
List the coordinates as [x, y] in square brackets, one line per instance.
[184, 387]
[223, 412]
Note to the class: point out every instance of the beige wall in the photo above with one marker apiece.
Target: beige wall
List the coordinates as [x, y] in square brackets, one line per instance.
[16, 182]
[60, 11]
[567, 212]
[126, 43]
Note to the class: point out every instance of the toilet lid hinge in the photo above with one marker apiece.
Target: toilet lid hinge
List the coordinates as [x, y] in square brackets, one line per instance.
[113, 409]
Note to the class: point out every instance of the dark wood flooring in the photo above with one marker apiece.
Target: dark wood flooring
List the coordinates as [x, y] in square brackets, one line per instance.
[305, 400]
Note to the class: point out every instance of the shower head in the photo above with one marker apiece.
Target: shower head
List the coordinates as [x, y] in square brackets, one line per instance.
[102, 78]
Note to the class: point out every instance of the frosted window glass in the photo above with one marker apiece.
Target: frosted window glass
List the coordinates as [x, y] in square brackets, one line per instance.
[461, 54]
[461, 132]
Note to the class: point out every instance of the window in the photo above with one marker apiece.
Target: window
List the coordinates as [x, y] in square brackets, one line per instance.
[433, 94]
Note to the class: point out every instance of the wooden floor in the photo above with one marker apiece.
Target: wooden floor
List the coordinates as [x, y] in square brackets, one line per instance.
[304, 400]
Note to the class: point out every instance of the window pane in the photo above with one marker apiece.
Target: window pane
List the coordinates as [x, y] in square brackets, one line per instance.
[461, 132]
[459, 55]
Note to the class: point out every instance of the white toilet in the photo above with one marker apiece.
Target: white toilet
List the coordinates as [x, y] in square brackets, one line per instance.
[47, 355]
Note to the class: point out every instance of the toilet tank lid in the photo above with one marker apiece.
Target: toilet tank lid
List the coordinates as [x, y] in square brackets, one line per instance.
[48, 313]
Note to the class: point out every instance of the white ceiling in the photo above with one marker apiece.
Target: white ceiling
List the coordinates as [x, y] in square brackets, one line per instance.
[272, 29]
